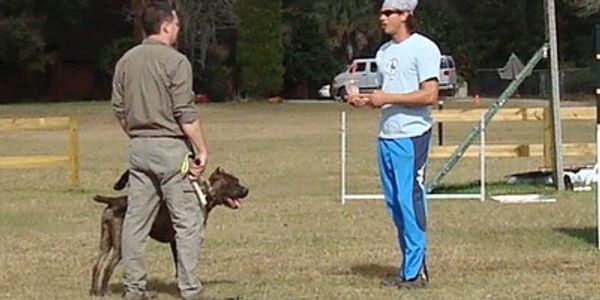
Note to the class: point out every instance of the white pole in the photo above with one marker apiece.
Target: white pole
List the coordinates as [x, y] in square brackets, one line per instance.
[343, 157]
[482, 157]
[597, 179]
[596, 167]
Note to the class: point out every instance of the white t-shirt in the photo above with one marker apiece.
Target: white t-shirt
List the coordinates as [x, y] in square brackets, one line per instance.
[403, 67]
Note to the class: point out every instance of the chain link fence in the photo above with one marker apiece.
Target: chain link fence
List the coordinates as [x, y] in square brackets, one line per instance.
[575, 83]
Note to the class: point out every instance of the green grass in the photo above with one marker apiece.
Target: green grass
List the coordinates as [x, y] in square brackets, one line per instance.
[293, 239]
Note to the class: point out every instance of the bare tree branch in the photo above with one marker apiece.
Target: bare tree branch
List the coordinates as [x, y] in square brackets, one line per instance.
[585, 8]
[201, 20]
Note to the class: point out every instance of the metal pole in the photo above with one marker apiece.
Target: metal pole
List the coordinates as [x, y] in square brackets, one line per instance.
[597, 69]
[557, 159]
[473, 134]
[440, 126]
[482, 158]
[343, 157]
[596, 167]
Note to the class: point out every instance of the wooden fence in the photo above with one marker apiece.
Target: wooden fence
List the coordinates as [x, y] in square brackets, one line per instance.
[70, 160]
[517, 150]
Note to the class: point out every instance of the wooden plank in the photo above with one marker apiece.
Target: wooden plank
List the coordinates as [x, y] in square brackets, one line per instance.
[34, 123]
[578, 113]
[514, 150]
[472, 115]
[490, 151]
[27, 162]
[588, 149]
[511, 114]
[548, 136]
[74, 152]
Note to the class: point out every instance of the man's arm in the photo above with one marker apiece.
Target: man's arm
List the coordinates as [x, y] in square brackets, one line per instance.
[117, 102]
[426, 95]
[196, 135]
[186, 113]
[123, 124]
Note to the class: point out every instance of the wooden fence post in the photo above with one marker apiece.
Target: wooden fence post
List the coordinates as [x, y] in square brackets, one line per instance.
[547, 159]
[74, 152]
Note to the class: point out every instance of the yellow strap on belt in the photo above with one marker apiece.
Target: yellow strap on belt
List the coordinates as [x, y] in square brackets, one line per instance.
[185, 164]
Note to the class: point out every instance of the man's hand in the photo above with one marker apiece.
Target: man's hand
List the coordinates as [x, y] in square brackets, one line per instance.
[358, 100]
[198, 165]
[195, 133]
[376, 98]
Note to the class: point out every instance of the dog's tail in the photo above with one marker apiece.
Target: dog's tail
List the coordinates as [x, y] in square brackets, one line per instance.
[112, 201]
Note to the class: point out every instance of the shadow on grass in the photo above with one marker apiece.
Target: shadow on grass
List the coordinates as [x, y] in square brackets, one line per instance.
[495, 188]
[587, 234]
[374, 270]
[162, 287]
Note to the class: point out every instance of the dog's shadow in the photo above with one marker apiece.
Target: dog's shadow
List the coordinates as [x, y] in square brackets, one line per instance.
[162, 287]
[374, 270]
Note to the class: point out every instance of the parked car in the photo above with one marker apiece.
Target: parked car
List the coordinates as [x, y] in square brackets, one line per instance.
[364, 72]
[448, 79]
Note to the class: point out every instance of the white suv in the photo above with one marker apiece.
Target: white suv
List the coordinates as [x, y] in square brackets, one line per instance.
[364, 71]
[448, 80]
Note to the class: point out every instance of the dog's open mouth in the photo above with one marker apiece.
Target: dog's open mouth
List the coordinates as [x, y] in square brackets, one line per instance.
[233, 203]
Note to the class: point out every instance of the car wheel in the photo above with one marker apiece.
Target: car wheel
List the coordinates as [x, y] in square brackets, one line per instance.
[342, 94]
[452, 93]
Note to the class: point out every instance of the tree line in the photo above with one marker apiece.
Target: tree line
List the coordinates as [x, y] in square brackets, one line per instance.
[261, 48]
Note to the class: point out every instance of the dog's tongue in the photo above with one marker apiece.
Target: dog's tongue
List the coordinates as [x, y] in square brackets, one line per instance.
[233, 203]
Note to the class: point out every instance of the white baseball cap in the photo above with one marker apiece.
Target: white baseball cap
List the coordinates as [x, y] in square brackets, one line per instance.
[407, 5]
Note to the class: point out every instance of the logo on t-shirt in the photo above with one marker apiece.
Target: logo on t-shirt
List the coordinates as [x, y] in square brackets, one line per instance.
[392, 67]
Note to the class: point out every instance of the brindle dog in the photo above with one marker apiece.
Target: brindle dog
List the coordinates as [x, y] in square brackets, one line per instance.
[221, 189]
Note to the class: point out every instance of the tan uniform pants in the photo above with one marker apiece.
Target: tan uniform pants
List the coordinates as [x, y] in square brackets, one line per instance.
[154, 176]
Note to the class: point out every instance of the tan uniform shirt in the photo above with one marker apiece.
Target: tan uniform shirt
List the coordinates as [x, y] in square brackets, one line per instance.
[152, 90]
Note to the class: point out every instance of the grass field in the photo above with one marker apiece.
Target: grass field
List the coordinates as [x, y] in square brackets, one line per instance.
[293, 239]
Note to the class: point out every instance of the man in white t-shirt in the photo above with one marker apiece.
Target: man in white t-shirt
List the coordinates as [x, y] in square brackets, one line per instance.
[409, 65]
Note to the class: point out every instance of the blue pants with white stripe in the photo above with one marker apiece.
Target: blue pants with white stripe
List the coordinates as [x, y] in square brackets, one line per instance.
[402, 171]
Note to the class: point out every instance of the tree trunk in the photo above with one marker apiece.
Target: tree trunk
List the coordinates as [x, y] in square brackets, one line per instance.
[137, 8]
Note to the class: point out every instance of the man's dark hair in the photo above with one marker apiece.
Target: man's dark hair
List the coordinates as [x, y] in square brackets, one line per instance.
[412, 23]
[155, 14]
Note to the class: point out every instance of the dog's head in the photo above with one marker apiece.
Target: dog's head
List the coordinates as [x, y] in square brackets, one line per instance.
[225, 189]
[222, 187]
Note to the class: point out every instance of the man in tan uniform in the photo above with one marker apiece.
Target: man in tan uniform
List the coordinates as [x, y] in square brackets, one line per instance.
[153, 100]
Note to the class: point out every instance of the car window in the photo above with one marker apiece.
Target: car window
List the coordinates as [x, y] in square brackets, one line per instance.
[450, 63]
[373, 68]
[360, 67]
[444, 63]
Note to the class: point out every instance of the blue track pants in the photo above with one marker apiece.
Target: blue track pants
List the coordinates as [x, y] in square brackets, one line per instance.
[402, 171]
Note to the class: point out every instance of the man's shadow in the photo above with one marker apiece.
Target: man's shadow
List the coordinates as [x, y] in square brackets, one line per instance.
[586, 234]
[374, 270]
[163, 287]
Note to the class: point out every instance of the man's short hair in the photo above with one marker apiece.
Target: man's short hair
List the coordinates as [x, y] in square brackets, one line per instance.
[155, 14]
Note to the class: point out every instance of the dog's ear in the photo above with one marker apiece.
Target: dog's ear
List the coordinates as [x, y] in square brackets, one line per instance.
[122, 182]
[219, 170]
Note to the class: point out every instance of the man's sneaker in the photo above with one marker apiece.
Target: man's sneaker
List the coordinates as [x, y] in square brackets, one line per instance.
[392, 282]
[417, 283]
[144, 296]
